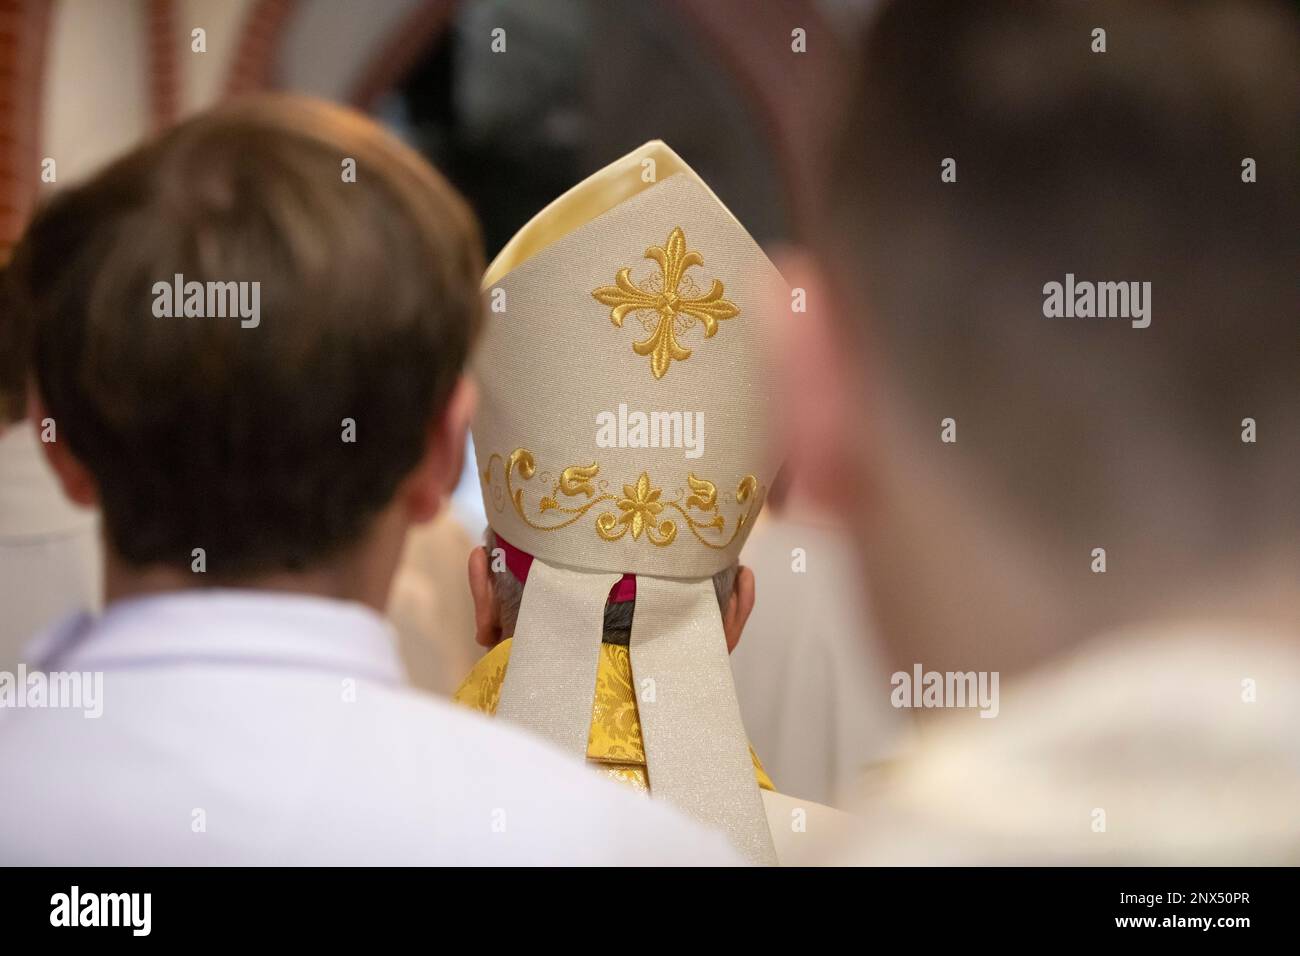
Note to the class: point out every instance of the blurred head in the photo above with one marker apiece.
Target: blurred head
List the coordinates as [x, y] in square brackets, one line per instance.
[1071, 434]
[277, 445]
[498, 594]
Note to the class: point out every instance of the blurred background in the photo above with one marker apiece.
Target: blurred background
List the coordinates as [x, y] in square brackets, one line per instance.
[1104, 434]
[85, 80]
[578, 84]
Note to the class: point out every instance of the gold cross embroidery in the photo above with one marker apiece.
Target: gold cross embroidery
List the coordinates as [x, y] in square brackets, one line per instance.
[669, 301]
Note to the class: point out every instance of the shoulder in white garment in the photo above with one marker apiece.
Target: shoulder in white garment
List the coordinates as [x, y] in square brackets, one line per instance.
[265, 729]
[1150, 746]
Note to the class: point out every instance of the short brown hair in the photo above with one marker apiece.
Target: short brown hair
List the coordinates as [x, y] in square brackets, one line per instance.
[203, 433]
[1120, 165]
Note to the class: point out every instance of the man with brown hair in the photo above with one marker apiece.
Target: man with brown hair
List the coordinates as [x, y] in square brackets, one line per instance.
[1051, 387]
[250, 334]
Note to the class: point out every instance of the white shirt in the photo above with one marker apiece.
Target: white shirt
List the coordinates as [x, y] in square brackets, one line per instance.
[244, 727]
[49, 550]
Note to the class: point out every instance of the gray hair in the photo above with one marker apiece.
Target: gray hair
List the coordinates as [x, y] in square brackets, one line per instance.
[508, 591]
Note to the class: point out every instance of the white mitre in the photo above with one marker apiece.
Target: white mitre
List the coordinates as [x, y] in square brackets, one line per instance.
[636, 288]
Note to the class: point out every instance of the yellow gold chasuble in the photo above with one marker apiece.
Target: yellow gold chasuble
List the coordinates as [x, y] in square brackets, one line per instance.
[614, 744]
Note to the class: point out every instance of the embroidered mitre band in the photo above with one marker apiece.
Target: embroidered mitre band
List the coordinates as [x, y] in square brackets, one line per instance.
[635, 297]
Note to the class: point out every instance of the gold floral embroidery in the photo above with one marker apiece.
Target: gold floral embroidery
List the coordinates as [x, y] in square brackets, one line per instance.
[639, 508]
[614, 743]
[668, 303]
